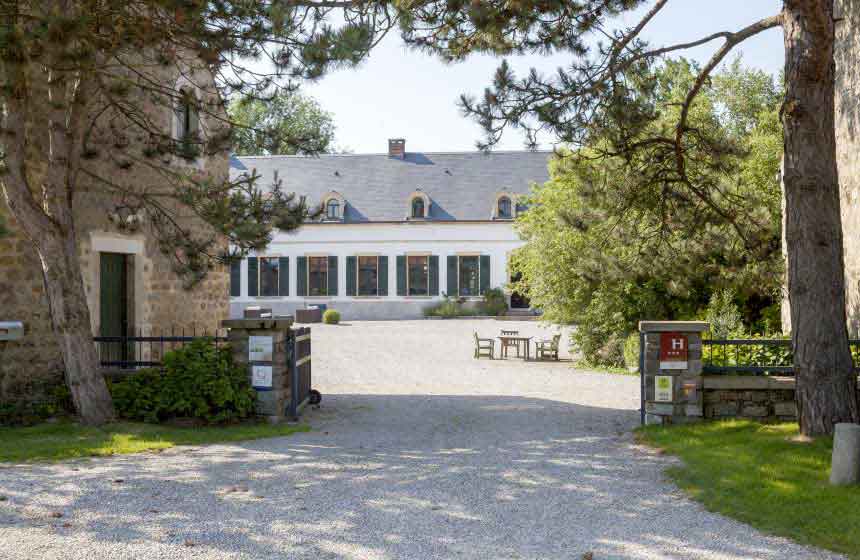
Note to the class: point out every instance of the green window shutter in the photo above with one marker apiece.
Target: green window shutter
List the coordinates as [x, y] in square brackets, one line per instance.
[382, 275]
[401, 275]
[351, 272]
[253, 277]
[302, 276]
[485, 273]
[434, 275]
[452, 276]
[332, 276]
[284, 276]
[235, 278]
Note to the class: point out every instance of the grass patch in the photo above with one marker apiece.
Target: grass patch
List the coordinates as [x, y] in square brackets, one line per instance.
[68, 440]
[756, 474]
[605, 369]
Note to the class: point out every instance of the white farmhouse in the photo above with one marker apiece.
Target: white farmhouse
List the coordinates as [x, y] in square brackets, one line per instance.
[399, 230]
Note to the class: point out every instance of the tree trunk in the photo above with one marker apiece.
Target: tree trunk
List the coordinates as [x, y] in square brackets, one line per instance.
[826, 385]
[70, 315]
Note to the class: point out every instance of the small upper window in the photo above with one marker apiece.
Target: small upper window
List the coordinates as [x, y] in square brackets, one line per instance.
[187, 123]
[505, 208]
[418, 207]
[332, 209]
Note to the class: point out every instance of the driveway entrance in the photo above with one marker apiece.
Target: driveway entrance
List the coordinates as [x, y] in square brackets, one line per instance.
[419, 452]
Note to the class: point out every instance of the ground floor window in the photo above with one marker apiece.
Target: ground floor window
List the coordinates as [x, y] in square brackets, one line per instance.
[469, 276]
[368, 276]
[418, 276]
[317, 276]
[269, 270]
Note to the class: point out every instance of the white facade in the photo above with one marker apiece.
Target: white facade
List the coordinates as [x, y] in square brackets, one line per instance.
[493, 239]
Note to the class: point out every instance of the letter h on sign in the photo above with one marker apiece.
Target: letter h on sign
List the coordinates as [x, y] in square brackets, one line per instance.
[673, 351]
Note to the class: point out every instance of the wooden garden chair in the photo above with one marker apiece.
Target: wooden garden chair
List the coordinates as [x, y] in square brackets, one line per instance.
[548, 348]
[507, 343]
[484, 347]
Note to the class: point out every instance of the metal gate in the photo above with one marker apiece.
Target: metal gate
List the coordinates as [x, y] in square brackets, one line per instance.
[299, 366]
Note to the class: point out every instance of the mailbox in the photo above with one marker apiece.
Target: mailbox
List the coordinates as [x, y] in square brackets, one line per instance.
[11, 330]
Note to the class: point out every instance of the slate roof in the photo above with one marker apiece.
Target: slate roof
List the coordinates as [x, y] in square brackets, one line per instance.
[376, 187]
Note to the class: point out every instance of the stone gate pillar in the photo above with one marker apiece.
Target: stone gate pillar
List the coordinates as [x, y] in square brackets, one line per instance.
[672, 391]
[260, 345]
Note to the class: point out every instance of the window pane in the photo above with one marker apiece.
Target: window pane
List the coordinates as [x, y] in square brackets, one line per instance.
[417, 208]
[419, 276]
[367, 276]
[504, 207]
[269, 276]
[333, 209]
[317, 276]
[469, 276]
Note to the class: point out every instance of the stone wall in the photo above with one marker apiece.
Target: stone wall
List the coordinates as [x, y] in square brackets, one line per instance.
[754, 397]
[160, 301]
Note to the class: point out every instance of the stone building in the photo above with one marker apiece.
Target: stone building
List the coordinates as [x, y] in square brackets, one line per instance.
[130, 285]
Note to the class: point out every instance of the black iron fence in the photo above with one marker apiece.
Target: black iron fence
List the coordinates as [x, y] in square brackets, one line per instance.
[755, 356]
[148, 349]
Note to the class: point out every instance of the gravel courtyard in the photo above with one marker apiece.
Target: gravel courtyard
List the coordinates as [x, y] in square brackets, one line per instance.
[418, 452]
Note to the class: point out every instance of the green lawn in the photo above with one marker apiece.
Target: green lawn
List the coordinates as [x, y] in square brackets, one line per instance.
[755, 473]
[67, 440]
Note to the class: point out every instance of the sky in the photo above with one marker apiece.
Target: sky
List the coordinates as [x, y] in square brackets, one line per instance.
[400, 93]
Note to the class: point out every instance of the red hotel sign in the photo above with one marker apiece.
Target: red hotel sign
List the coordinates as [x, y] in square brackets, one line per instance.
[673, 351]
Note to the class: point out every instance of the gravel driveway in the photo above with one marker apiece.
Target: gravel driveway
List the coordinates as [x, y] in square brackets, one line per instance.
[418, 452]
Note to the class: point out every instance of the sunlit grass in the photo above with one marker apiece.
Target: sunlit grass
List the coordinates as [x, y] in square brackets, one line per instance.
[67, 440]
[757, 474]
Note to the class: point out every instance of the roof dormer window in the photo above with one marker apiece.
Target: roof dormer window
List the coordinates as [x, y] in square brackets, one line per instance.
[332, 209]
[418, 207]
[505, 211]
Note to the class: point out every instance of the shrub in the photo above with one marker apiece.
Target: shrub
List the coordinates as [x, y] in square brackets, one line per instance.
[631, 350]
[447, 308]
[199, 381]
[494, 302]
[331, 317]
[724, 315]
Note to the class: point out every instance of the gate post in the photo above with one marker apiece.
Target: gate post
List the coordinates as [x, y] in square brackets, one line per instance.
[261, 346]
[672, 371]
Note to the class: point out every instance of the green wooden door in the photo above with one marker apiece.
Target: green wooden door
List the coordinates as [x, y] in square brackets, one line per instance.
[113, 304]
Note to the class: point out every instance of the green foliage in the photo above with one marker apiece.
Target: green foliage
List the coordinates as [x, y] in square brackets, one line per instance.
[199, 381]
[723, 315]
[67, 440]
[761, 475]
[631, 350]
[285, 122]
[331, 317]
[448, 308]
[494, 302]
[604, 249]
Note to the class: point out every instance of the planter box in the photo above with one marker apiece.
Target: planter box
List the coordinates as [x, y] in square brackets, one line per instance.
[308, 315]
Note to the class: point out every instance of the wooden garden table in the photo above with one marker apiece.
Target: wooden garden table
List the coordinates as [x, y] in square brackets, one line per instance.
[516, 341]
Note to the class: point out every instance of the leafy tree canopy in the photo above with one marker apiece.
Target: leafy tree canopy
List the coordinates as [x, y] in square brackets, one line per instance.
[623, 251]
[286, 123]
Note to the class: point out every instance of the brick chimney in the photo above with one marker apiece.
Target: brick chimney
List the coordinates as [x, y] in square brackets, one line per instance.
[397, 148]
